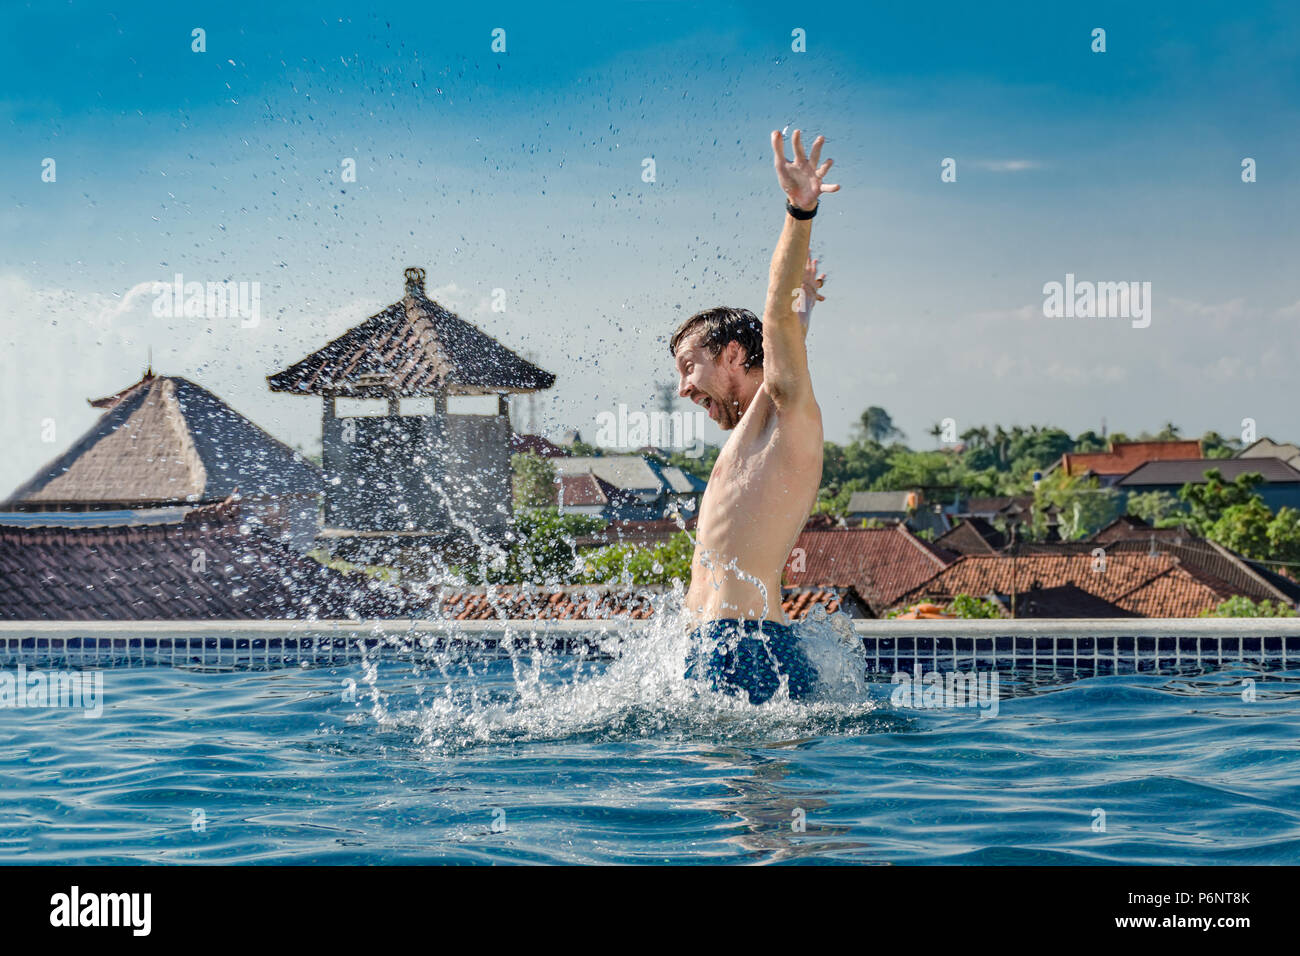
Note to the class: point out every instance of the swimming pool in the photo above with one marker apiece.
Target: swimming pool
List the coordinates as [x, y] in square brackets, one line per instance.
[477, 753]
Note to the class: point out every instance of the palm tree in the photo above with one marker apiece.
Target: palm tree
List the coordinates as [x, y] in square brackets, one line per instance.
[876, 425]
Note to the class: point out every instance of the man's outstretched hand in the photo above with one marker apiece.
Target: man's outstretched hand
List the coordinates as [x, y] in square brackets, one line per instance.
[812, 284]
[802, 178]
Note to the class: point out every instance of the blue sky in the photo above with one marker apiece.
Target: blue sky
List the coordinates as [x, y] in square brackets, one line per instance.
[521, 171]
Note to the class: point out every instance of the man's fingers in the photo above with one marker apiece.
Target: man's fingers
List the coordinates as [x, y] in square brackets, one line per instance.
[815, 156]
[799, 156]
[830, 189]
[824, 168]
[778, 147]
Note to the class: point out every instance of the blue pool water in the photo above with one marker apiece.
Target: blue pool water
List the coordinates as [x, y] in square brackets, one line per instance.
[480, 758]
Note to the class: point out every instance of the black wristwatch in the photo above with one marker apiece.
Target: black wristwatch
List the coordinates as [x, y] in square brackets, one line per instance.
[798, 213]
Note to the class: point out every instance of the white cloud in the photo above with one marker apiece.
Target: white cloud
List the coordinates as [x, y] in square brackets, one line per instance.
[1008, 165]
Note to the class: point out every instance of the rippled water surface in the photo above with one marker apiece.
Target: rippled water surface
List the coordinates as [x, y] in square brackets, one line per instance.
[482, 758]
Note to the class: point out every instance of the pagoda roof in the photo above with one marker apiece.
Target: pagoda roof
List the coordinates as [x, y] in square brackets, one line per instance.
[415, 347]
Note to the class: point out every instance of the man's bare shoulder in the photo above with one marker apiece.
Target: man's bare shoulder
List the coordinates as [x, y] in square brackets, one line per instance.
[796, 423]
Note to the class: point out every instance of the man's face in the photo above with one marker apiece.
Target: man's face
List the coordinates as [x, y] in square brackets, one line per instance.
[712, 383]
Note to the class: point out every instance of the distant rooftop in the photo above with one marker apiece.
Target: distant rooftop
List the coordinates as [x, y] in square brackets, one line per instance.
[1193, 471]
[1123, 457]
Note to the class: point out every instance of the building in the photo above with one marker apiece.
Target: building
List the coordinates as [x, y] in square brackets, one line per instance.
[1280, 488]
[167, 443]
[905, 507]
[621, 488]
[405, 463]
[882, 505]
[209, 564]
[878, 565]
[1267, 448]
[1139, 583]
[1004, 513]
[1108, 467]
[536, 445]
[1140, 570]
[972, 536]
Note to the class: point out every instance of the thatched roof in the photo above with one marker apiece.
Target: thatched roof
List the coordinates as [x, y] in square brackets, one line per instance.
[165, 440]
[414, 347]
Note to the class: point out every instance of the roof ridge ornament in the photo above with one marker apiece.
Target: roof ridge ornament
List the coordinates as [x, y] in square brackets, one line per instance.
[415, 280]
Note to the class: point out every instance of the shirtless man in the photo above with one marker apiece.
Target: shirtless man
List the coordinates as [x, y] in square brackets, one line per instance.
[752, 377]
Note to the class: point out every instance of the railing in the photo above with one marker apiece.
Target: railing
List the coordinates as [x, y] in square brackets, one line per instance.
[1037, 647]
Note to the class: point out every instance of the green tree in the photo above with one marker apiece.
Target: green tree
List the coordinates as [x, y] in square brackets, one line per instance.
[1038, 448]
[1243, 528]
[1284, 535]
[1153, 507]
[1208, 500]
[542, 550]
[1241, 606]
[1214, 445]
[969, 606]
[876, 424]
[700, 466]
[1082, 507]
[631, 564]
[1090, 441]
[533, 481]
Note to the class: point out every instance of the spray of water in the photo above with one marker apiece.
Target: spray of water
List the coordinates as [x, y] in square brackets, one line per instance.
[629, 684]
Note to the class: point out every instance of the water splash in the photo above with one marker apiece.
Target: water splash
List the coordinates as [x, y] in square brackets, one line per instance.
[629, 685]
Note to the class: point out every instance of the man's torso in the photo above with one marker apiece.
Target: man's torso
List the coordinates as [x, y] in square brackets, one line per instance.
[760, 492]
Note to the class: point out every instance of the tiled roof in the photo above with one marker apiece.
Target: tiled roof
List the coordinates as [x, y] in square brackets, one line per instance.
[537, 445]
[999, 504]
[414, 347]
[973, 536]
[623, 531]
[165, 440]
[1289, 452]
[1176, 592]
[629, 472]
[1199, 555]
[980, 575]
[1132, 528]
[592, 602]
[881, 564]
[1153, 585]
[1193, 471]
[1064, 601]
[1123, 457]
[798, 603]
[518, 603]
[207, 566]
[581, 491]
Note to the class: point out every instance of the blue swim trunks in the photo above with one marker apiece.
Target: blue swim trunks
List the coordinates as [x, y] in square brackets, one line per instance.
[732, 656]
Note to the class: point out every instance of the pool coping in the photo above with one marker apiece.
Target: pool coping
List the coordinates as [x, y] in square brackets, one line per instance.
[877, 629]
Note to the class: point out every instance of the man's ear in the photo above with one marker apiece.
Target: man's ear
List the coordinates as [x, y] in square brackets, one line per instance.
[734, 355]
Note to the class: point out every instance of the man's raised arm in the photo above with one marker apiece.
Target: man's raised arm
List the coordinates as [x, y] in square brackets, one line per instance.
[785, 360]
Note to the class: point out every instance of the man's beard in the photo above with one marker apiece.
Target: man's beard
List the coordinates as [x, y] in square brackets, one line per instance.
[728, 412]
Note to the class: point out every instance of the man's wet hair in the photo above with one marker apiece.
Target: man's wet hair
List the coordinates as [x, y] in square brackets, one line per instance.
[721, 326]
